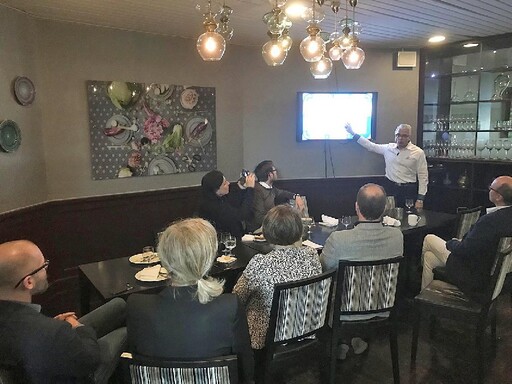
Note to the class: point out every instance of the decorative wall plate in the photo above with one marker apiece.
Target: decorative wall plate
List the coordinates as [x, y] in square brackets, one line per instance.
[24, 90]
[10, 136]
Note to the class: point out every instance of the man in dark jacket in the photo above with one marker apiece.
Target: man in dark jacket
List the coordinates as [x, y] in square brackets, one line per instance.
[63, 349]
[469, 260]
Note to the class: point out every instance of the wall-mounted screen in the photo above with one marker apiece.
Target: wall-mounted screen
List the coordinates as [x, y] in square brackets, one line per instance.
[322, 115]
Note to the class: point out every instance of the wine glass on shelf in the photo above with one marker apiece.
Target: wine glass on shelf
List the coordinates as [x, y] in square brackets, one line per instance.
[346, 221]
[409, 203]
[229, 242]
[506, 146]
[498, 145]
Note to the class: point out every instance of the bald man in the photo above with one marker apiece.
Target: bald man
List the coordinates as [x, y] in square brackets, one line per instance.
[469, 260]
[369, 240]
[406, 165]
[41, 349]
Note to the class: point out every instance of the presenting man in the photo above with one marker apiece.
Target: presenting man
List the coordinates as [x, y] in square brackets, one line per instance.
[469, 261]
[266, 196]
[406, 165]
[369, 240]
[64, 349]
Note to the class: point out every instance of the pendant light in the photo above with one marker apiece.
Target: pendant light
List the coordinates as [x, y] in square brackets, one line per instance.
[210, 45]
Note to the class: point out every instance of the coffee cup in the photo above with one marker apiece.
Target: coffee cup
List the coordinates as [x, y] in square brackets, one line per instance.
[413, 220]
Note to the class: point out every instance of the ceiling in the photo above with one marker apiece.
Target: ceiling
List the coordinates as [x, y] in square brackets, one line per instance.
[391, 24]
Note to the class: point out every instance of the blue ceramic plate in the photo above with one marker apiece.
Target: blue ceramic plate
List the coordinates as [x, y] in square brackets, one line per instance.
[10, 136]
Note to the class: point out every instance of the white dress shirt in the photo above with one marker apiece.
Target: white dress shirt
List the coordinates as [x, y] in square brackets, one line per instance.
[402, 165]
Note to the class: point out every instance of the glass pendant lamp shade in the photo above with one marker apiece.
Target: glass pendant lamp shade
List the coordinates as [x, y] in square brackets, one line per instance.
[353, 57]
[312, 48]
[322, 68]
[211, 46]
[335, 52]
[286, 41]
[273, 52]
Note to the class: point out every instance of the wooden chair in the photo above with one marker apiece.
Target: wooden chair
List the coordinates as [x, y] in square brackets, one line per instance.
[365, 288]
[147, 370]
[298, 322]
[442, 299]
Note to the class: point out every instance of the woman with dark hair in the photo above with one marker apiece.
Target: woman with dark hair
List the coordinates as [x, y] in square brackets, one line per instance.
[289, 261]
[190, 319]
[227, 206]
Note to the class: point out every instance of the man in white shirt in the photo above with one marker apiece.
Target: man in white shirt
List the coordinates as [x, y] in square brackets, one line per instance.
[406, 165]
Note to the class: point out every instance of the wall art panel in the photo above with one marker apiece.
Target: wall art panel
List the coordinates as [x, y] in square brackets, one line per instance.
[141, 129]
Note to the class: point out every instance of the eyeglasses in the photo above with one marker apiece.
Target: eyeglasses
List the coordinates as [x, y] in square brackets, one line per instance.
[399, 135]
[44, 266]
[273, 170]
[492, 189]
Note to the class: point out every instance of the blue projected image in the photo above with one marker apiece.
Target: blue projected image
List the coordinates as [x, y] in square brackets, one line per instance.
[322, 116]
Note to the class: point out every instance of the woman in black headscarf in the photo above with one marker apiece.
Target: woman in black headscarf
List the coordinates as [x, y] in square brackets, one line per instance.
[226, 205]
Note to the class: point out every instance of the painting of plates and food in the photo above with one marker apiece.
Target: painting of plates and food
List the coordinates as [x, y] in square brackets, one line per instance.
[141, 129]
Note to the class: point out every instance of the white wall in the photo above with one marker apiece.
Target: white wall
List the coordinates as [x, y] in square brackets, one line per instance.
[22, 173]
[256, 106]
[270, 109]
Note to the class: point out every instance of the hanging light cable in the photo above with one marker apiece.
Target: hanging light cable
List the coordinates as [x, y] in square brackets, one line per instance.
[354, 56]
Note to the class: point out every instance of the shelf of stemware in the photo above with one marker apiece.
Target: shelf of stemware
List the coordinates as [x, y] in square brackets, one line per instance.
[470, 160]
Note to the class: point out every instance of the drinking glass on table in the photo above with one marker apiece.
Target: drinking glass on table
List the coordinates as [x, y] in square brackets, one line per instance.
[346, 221]
[229, 242]
[409, 203]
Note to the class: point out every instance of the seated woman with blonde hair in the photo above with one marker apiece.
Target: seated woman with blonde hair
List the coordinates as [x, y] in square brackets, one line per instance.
[288, 261]
[191, 318]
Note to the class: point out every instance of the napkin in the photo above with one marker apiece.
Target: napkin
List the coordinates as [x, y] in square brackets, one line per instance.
[309, 243]
[329, 221]
[248, 238]
[150, 273]
[386, 220]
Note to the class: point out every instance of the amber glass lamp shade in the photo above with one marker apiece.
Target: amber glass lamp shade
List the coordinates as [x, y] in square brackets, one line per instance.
[312, 48]
[322, 68]
[273, 52]
[211, 45]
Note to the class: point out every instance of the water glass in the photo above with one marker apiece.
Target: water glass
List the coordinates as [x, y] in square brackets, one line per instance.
[147, 252]
[229, 242]
[346, 221]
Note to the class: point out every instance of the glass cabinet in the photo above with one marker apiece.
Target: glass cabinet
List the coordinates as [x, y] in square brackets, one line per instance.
[464, 119]
[466, 98]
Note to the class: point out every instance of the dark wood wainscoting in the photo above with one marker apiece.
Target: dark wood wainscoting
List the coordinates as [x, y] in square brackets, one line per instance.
[77, 231]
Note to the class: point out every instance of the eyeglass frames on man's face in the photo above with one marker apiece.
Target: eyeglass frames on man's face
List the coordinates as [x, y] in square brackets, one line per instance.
[493, 189]
[44, 266]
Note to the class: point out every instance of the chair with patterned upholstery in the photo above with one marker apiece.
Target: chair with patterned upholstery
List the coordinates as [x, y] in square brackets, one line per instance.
[298, 326]
[364, 300]
[441, 299]
[148, 370]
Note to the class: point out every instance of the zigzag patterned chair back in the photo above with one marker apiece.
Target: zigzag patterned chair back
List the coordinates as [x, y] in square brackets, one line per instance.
[466, 220]
[369, 288]
[302, 309]
[153, 371]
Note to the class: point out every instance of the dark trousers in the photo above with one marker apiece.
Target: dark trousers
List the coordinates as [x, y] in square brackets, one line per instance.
[401, 192]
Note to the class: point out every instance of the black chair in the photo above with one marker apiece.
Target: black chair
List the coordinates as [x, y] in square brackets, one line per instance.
[366, 288]
[465, 220]
[442, 299]
[146, 370]
[298, 326]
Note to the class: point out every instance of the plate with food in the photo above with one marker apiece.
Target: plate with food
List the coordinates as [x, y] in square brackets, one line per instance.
[160, 92]
[125, 135]
[151, 274]
[145, 258]
[259, 238]
[189, 98]
[162, 165]
[226, 259]
[198, 131]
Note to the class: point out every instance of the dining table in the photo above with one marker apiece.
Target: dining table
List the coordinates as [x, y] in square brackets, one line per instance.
[111, 278]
